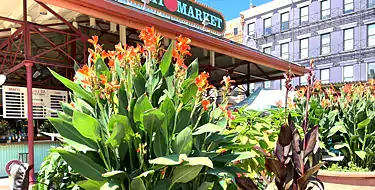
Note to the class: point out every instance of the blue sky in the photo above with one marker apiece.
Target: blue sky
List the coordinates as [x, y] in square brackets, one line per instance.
[231, 8]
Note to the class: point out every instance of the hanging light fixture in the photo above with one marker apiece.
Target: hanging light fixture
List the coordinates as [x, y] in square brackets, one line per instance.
[75, 23]
[3, 78]
[42, 10]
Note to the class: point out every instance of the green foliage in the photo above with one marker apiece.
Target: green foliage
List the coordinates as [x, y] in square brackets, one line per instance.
[55, 173]
[140, 123]
[350, 168]
[347, 119]
[257, 133]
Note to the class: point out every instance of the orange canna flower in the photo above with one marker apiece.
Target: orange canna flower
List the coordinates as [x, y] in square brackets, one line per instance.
[103, 79]
[291, 104]
[226, 80]
[371, 82]
[279, 104]
[85, 70]
[347, 88]
[72, 104]
[205, 104]
[318, 85]
[119, 47]
[94, 40]
[331, 91]
[111, 63]
[230, 115]
[182, 45]
[105, 54]
[301, 92]
[120, 56]
[150, 38]
[202, 82]
[180, 62]
[325, 103]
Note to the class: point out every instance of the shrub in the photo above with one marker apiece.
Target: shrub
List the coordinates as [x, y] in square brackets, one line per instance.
[136, 121]
[346, 115]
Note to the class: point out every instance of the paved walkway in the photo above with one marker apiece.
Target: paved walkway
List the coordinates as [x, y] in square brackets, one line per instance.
[4, 182]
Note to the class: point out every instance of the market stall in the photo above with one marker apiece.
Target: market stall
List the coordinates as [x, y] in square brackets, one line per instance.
[13, 124]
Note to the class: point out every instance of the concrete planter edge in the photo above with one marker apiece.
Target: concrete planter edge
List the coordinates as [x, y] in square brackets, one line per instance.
[348, 178]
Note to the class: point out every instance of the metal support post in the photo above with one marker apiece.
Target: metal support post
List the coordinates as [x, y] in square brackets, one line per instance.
[30, 125]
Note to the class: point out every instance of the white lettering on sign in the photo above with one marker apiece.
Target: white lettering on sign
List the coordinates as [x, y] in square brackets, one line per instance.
[15, 102]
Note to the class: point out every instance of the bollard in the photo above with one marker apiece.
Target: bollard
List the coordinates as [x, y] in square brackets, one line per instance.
[19, 175]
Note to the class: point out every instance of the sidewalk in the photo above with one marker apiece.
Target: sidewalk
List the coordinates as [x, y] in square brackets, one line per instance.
[4, 182]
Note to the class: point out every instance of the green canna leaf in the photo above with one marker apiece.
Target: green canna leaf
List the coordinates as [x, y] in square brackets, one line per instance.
[83, 165]
[88, 126]
[75, 88]
[167, 59]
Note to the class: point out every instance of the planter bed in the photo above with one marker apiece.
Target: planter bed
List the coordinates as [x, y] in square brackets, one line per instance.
[348, 178]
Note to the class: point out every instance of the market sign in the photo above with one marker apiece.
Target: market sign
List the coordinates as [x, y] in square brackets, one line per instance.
[183, 11]
[44, 101]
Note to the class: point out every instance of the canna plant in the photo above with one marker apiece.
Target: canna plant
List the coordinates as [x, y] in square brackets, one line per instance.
[296, 159]
[138, 119]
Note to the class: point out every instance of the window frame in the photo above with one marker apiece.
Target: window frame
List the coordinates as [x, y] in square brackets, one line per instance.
[282, 84]
[351, 39]
[300, 48]
[234, 31]
[300, 15]
[269, 82]
[352, 10]
[329, 75]
[264, 26]
[264, 50]
[344, 78]
[321, 44]
[253, 31]
[282, 23]
[321, 10]
[369, 5]
[282, 52]
[368, 70]
[304, 77]
[368, 36]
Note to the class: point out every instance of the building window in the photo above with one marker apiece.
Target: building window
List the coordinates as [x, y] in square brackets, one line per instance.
[267, 26]
[304, 15]
[325, 41]
[303, 79]
[325, 9]
[282, 84]
[284, 51]
[348, 39]
[324, 75]
[267, 50]
[348, 6]
[371, 3]
[371, 34]
[251, 29]
[235, 31]
[267, 84]
[348, 73]
[304, 48]
[284, 21]
[371, 71]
